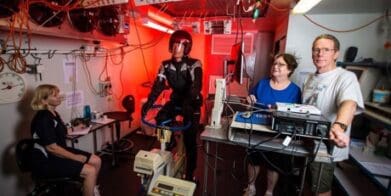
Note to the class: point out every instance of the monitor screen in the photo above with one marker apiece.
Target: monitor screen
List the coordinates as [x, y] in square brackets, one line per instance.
[357, 72]
[367, 78]
[235, 51]
[237, 60]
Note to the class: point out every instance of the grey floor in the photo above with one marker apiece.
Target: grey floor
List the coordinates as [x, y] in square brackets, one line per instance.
[230, 173]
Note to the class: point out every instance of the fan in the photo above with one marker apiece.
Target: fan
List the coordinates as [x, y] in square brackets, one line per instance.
[8, 8]
[108, 21]
[83, 20]
[43, 15]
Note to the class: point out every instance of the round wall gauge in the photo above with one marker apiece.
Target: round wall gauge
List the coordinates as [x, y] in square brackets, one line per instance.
[12, 87]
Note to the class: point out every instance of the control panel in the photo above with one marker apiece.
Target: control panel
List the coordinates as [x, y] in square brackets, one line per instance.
[307, 125]
[169, 186]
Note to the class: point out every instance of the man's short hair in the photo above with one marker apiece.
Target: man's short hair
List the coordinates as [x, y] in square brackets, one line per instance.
[330, 37]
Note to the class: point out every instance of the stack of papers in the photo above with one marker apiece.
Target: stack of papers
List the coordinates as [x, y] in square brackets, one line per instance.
[81, 131]
[103, 120]
[297, 108]
[378, 168]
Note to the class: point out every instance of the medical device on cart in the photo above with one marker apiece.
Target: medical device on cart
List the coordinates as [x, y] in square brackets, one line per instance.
[160, 169]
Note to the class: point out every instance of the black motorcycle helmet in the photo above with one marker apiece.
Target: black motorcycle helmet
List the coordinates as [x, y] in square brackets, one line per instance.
[179, 36]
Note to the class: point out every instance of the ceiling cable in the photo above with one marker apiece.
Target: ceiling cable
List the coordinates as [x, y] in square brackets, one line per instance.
[348, 30]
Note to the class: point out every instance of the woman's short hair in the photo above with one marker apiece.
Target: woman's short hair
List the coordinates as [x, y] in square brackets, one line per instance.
[290, 60]
[42, 92]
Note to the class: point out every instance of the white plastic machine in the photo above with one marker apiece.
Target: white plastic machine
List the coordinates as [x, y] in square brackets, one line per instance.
[151, 162]
[152, 165]
[218, 106]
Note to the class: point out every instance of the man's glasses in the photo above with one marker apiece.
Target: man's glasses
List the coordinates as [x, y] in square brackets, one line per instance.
[324, 50]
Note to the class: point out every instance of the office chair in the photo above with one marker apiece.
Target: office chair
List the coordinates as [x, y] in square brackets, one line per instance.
[123, 145]
[44, 186]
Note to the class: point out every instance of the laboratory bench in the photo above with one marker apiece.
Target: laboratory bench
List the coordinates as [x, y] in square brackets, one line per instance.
[97, 125]
[220, 136]
[367, 173]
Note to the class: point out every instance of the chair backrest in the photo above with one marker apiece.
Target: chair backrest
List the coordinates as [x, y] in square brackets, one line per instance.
[23, 153]
[128, 103]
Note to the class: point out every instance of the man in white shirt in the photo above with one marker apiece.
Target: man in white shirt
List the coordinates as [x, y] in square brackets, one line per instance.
[336, 92]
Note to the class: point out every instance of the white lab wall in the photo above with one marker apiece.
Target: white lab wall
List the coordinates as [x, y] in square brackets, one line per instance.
[16, 117]
[301, 32]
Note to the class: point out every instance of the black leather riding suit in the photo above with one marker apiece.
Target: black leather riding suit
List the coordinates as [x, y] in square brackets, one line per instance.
[185, 80]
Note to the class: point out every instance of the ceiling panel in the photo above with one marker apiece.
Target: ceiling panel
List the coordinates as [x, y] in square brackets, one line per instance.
[212, 8]
[270, 8]
[350, 6]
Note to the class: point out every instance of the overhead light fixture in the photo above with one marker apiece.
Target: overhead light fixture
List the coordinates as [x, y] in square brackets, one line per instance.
[148, 23]
[159, 16]
[304, 5]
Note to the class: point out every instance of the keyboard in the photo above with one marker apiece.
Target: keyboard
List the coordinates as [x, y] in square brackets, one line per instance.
[259, 118]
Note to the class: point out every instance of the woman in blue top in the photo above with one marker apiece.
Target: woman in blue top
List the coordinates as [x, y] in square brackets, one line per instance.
[268, 91]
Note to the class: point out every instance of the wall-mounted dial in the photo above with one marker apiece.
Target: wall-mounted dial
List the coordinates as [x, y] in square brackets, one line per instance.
[12, 87]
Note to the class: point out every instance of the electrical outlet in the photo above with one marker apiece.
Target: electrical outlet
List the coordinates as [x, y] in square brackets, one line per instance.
[109, 98]
[31, 69]
[105, 88]
[88, 48]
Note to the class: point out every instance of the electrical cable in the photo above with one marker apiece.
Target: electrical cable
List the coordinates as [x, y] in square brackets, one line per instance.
[141, 49]
[248, 147]
[51, 53]
[2, 63]
[88, 74]
[104, 71]
[317, 149]
[313, 155]
[252, 149]
[246, 162]
[264, 141]
[275, 7]
[349, 30]
[215, 171]
[293, 170]
[233, 172]
[74, 112]
[122, 54]
[277, 168]
[16, 61]
[121, 63]
[249, 106]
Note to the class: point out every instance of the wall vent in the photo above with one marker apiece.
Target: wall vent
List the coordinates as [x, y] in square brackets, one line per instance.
[217, 27]
[222, 44]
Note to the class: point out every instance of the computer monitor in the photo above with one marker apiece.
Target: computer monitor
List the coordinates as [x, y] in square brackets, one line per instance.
[237, 58]
[367, 78]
